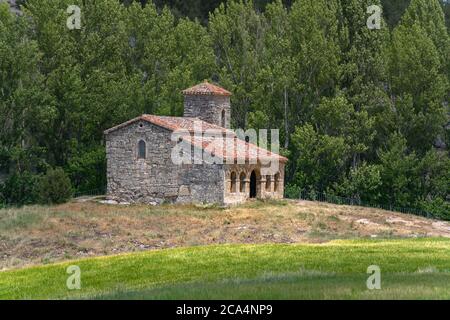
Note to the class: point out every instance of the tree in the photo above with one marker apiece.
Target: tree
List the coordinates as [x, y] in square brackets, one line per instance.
[419, 91]
[25, 108]
[275, 78]
[399, 173]
[428, 15]
[363, 183]
[320, 160]
[54, 187]
[315, 46]
[338, 117]
[237, 34]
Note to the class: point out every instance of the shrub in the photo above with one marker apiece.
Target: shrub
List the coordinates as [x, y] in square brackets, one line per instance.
[438, 207]
[20, 189]
[363, 183]
[292, 191]
[88, 171]
[54, 187]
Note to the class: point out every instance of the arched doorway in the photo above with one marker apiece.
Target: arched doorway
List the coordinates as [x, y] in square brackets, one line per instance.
[253, 184]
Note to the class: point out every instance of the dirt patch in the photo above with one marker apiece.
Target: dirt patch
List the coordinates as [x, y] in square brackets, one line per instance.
[36, 235]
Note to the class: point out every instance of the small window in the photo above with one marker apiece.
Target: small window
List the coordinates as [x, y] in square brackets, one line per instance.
[223, 119]
[233, 182]
[268, 182]
[242, 182]
[142, 152]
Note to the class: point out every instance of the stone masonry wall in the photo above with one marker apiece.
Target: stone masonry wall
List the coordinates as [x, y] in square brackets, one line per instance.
[156, 179]
[201, 184]
[208, 108]
[141, 180]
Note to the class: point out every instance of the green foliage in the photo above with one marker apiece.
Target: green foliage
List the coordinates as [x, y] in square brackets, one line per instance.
[88, 171]
[438, 207]
[21, 188]
[321, 158]
[292, 191]
[363, 183]
[54, 187]
[399, 173]
[429, 16]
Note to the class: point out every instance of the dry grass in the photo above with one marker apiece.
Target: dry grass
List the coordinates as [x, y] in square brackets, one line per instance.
[36, 235]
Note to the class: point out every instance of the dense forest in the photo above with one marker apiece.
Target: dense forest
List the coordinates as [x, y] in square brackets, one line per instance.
[362, 113]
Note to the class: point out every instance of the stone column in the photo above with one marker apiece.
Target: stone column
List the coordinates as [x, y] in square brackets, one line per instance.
[272, 185]
[262, 186]
[247, 188]
[227, 185]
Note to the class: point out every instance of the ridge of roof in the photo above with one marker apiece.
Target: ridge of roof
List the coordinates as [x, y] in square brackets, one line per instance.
[206, 88]
[173, 124]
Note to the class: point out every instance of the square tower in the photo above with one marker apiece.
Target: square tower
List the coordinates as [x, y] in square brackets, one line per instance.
[209, 103]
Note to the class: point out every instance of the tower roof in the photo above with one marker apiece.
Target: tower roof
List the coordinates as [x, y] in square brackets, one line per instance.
[207, 88]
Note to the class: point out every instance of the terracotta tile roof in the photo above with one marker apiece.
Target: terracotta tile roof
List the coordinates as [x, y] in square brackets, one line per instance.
[232, 148]
[186, 123]
[229, 147]
[173, 123]
[206, 88]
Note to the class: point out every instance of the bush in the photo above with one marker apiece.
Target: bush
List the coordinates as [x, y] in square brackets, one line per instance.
[20, 189]
[54, 187]
[363, 183]
[292, 191]
[88, 171]
[438, 207]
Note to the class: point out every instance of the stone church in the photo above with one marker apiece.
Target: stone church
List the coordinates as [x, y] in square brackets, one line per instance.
[141, 166]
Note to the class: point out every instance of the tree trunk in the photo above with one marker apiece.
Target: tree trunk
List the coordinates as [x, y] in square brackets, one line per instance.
[286, 127]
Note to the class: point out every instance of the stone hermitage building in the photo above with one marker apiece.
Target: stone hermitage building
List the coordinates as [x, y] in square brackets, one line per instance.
[141, 169]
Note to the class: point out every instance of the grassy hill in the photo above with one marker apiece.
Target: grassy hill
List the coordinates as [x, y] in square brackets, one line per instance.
[42, 235]
[410, 269]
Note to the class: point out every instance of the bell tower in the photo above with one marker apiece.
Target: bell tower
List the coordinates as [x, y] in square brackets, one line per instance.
[209, 103]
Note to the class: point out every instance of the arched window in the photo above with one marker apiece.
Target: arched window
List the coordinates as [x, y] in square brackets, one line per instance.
[242, 182]
[268, 182]
[223, 118]
[233, 182]
[277, 182]
[142, 152]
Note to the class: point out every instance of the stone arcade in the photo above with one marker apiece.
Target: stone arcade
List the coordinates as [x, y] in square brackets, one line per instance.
[140, 166]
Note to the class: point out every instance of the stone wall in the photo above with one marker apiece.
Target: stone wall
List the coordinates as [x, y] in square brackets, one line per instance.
[208, 108]
[149, 180]
[201, 184]
[156, 178]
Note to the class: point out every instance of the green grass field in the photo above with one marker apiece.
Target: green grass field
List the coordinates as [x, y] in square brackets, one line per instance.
[410, 269]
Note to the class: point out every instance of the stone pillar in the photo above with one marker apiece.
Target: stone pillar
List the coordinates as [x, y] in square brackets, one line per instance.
[262, 186]
[227, 185]
[272, 185]
[247, 188]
